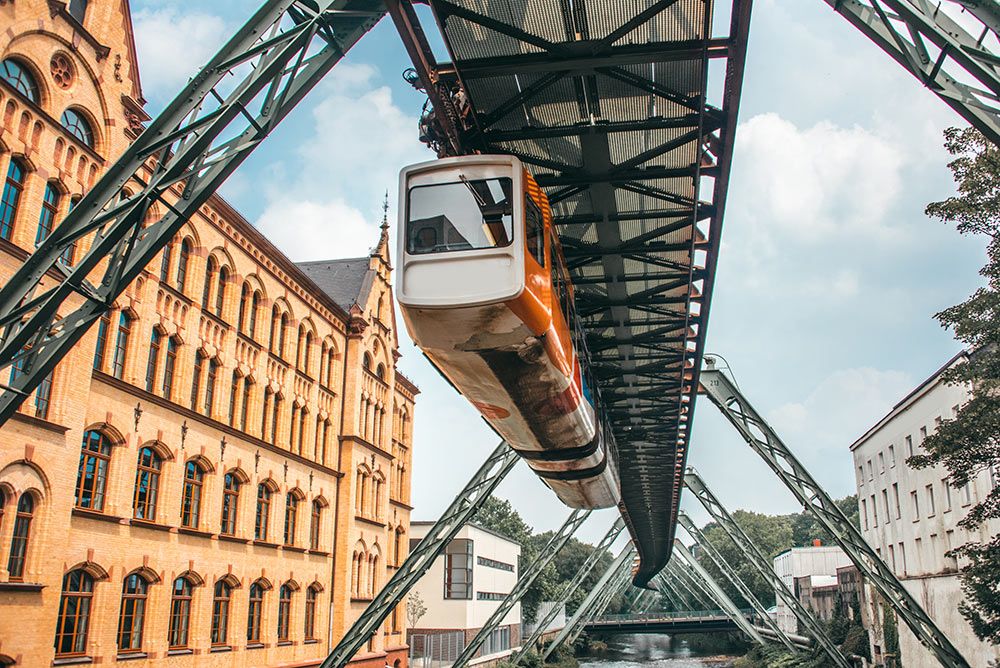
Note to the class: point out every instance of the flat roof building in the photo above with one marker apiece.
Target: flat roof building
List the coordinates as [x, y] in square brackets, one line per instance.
[797, 563]
[910, 516]
[462, 588]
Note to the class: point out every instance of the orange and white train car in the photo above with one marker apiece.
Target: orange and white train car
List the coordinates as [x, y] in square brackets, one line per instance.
[485, 294]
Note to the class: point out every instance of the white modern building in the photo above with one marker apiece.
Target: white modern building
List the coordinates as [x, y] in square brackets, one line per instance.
[910, 516]
[805, 562]
[460, 591]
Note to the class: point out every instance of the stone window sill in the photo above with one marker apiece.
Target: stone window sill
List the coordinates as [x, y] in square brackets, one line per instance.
[180, 651]
[233, 539]
[131, 656]
[72, 660]
[220, 648]
[21, 586]
[256, 645]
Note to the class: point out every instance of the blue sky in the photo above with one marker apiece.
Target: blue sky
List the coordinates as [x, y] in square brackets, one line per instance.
[829, 273]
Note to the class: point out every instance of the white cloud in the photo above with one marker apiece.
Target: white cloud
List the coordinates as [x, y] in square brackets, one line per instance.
[173, 45]
[816, 182]
[840, 408]
[327, 204]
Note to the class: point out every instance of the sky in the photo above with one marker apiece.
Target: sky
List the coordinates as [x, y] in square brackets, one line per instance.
[829, 273]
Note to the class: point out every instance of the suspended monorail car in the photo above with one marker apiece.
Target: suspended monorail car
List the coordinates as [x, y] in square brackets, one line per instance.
[485, 294]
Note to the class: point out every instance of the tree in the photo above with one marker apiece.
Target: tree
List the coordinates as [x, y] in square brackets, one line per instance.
[415, 609]
[970, 442]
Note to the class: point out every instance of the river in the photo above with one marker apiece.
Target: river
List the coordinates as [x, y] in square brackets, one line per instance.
[652, 651]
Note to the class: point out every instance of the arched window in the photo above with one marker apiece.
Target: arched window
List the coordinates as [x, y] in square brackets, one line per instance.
[182, 264]
[212, 376]
[50, 209]
[291, 517]
[206, 293]
[199, 366]
[42, 395]
[92, 476]
[147, 485]
[309, 622]
[194, 479]
[399, 546]
[133, 613]
[20, 79]
[220, 612]
[272, 344]
[380, 372]
[284, 612]
[165, 263]
[78, 9]
[230, 503]
[314, 524]
[180, 613]
[244, 303]
[254, 612]
[19, 540]
[73, 621]
[220, 292]
[366, 362]
[10, 200]
[281, 335]
[155, 343]
[254, 307]
[121, 345]
[78, 126]
[169, 364]
[263, 514]
[300, 344]
[245, 408]
[3, 502]
[306, 354]
[303, 416]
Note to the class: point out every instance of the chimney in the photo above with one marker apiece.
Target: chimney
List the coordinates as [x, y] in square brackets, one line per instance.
[817, 542]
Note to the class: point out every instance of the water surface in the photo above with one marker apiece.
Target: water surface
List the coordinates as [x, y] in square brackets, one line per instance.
[652, 651]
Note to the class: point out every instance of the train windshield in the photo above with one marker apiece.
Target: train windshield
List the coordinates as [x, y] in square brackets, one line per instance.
[465, 215]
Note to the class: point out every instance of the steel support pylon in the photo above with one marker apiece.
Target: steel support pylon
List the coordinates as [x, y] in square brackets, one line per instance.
[527, 577]
[465, 505]
[765, 442]
[570, 587]
[724, 602]
[699, 595]
[173, 167]
[763, 565]
[957, 63]
[673, 593]
[613, 579]
[730, 573]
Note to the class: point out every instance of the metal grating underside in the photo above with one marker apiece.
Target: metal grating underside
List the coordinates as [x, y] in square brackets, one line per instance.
[604, 100]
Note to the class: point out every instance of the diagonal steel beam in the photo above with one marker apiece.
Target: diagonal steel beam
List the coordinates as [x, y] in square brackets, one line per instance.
[524, 582]
[465, 505]
[763, 440]
[194, 144]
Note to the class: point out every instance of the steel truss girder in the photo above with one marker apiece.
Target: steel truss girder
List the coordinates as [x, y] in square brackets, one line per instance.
[466, 503]
[527, 577]
[554, 131]
[727, 570]
[716, 593]
[762, 565]
[611, 582]
[694, 594]
[567, 591]
[673, 594]
[922, 37]
[765, 442]
[209, 129]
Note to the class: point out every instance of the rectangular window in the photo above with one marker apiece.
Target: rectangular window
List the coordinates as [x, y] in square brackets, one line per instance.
[892, 456]
[909, 446]
[871, 470]
[881, 463]
[459, 216]
[892, 558]
[493, 563]
[916, 506]
[947, 494]
[895, 500]
[102, 341]
[458, 569]
[861, 475]
[930, 500]
[874, 511]
[902, 557]
[918, 548]
[121, 346]
[885, 504]
[951, 563]
[864, 513]
[954, 411]
[42, 396]
[966, 494]
[923, 435]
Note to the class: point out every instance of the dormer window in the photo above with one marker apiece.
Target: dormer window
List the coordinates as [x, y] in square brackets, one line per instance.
[78, 9]
[19, 78]
[78, 127]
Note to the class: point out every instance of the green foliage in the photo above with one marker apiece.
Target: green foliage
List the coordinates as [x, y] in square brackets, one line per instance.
[890, 632]
[970, 443]
[773, 534]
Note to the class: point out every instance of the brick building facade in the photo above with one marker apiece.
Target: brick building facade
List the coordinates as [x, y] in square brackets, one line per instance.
[218, 473]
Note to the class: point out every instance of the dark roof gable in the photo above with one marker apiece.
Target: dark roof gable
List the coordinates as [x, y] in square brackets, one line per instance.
[342, 279]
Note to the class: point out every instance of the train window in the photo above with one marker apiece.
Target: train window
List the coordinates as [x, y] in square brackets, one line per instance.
[466, 215]
[534, 234]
